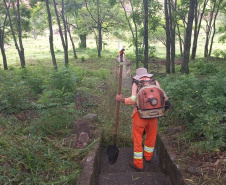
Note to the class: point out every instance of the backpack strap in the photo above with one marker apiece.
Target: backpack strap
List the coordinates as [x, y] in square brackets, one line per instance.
[140, 85]
[135, 81]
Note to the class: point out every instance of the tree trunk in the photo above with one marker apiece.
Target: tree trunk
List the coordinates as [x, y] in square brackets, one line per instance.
[2, 31]
[136, 51]
[83, 40]
[99, 41]
[172, 34]
[195, 31]
[208, 31]
[187, 43]
[99, 27]
[214, 27]
[73, 45]
[136, 39]
[136, 45]
[99, 30]
[180, 41]
[3, 51]
[167, 37]
[51, 35]
[63, 40]
[4, 56]
[145, 2]
[197, 28]
[19, 50]
[22, 57]
[65, 35]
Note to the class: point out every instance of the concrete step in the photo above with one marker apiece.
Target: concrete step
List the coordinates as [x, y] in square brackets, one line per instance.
[121, 173]
[133, 178]
[122, 164]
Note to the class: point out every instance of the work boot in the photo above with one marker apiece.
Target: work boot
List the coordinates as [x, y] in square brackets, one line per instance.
[134, 167]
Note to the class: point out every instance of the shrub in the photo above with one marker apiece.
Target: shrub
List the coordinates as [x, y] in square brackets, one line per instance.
[54, 97]
[152, 50]
[14, 94]
[216, 53]
[63, 79]
[220, 53]
[83, 59]
[52, 121]
[33, 79]
[131, 57]
[201, 104]
[203, 68]
[140, 53]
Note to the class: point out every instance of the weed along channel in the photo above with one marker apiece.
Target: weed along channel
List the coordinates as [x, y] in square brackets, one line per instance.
[98, 170]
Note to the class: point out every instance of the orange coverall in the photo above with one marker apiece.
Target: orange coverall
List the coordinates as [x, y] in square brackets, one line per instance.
[138, 127]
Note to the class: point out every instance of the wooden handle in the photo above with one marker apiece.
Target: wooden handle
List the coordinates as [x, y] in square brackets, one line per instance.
[118, 103]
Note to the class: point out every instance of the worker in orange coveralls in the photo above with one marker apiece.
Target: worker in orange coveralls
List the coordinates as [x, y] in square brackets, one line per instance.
[121, 54]
[139, 124]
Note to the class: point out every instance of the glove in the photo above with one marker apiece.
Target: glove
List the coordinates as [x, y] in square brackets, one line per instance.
[167, 105]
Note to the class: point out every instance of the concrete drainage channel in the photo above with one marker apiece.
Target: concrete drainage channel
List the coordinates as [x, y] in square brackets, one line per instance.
[92, 165]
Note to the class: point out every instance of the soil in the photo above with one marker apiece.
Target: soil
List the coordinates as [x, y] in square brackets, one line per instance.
[196, 168]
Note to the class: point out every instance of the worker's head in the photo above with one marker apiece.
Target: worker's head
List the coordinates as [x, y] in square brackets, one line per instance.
[142, 72]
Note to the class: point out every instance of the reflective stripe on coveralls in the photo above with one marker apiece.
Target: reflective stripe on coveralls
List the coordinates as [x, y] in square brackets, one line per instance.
[148, 149]
[133, 98]
[138, 155]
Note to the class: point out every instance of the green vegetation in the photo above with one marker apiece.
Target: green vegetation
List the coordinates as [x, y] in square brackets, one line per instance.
[199, 100]
[38, 109]
[38, 112]
[39, 105]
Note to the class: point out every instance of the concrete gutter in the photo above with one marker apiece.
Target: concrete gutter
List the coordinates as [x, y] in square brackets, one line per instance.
[90, 170]
[91, 166]
[167, 162]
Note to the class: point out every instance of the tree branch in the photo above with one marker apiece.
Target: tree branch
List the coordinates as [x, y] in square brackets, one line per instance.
[181, 16]
[127, 19]
[90, 12]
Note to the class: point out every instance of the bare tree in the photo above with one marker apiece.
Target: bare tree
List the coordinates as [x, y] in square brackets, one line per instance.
[20, 48]
[198, 20]
[181, 41]
[167, 28]
[187, 43]
[172, 9]
[214, 28]
[99, 23]
[73, 45]
[2, 32]
[51, 35]
[63, 37]
[210, 26]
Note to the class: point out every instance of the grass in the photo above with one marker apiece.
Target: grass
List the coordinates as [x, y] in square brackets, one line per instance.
[36, 133]
[36, 138]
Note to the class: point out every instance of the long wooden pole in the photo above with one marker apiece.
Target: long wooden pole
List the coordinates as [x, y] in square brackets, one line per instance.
[118, 103]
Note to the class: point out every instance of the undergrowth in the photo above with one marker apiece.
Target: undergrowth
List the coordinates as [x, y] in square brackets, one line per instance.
[199, 100]
[38, 108]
